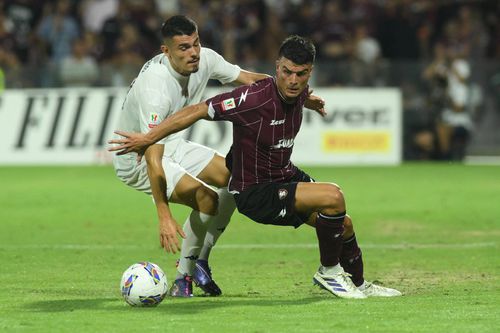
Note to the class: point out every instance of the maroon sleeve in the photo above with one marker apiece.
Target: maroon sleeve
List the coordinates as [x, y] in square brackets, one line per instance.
[240, 106]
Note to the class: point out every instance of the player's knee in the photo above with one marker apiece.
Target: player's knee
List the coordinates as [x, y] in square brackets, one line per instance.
[334, 197]
[335, 185]
[208, 201]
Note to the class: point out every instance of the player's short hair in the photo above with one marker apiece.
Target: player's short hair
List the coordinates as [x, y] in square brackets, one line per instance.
[298, 49]
[178, 25]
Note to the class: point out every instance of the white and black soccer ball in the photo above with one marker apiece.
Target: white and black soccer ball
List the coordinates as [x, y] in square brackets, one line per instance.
[144, 284]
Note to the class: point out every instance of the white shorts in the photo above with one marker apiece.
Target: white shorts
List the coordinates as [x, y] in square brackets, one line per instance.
[187, 158]
[456, 119]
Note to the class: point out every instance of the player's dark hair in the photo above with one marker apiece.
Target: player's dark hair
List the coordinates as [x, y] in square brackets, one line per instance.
[178, 25]
[298, 49]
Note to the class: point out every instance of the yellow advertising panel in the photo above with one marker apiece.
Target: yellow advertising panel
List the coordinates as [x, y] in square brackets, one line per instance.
[356, 142]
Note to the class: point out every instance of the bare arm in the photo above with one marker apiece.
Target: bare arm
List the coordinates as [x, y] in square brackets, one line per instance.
[138, 142]
[247, 77]
[168, 227]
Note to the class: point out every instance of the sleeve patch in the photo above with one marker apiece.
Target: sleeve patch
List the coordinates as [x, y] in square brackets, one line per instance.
[228, 104]
[154, 120]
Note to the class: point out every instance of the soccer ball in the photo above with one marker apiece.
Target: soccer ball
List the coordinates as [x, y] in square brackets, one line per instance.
[143, 284]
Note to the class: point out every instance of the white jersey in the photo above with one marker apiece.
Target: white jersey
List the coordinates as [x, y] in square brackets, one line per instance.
[159, 91]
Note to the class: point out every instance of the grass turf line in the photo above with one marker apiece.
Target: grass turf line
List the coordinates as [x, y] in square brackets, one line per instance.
[265, 289]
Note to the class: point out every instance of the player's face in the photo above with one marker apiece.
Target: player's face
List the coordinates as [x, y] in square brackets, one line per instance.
[183, 51]
[291, 78]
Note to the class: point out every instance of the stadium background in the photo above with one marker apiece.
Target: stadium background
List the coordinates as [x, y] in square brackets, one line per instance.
[361, 43]
[428, 228]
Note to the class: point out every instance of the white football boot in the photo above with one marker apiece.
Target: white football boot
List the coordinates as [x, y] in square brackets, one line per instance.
[337, 281]
[371, 289]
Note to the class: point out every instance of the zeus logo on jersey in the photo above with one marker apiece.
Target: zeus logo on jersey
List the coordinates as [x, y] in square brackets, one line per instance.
[275, 122]
[283, 143]
[154, 120]
[243, 97]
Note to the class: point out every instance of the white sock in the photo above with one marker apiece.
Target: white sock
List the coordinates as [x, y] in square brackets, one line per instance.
[219, 222]
[195, 229]
[331, 270]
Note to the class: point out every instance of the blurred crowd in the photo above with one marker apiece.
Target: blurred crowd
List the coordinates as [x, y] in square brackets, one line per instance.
[435, 50]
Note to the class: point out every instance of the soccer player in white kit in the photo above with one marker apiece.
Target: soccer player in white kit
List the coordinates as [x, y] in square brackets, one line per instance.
[176, 170]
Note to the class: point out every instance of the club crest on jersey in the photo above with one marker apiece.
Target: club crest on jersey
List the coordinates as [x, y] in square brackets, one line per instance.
[154, 119]
[282, 193]
[228, 104]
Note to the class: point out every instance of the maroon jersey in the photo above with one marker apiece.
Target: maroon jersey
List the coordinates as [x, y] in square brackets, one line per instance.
[264, 129]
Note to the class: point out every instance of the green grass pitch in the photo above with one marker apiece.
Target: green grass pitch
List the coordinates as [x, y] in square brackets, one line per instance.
[430, 230]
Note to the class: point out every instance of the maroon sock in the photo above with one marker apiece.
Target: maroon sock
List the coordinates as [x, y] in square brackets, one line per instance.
[352, 261]
[329, 229]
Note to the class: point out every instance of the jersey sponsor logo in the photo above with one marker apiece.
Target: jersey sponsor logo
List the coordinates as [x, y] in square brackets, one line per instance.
[243, 97]
[154, 119]
[228, 104]
[283, 143]
[282, 193]
[275, 122]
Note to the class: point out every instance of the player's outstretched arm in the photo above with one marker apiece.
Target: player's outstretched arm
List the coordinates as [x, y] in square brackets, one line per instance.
[247, 77]
[139, 142]
[168, 226]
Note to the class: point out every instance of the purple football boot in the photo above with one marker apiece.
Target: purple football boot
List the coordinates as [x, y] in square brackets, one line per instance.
[203, 279]
[182, 287]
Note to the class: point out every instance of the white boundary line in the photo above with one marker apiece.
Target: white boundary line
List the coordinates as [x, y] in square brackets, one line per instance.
[400, 246]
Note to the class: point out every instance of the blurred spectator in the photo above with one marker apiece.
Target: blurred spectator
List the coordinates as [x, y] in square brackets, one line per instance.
[112, 29]
[144, 16]
[58, 30]
[56, 33]
[397, 32]
[79, 69]
[333, 39]
[365, 67]
[96, 12]
[364, 11]
[273, 37]
[333, 33]
[455, 125]
[359, 43]
[167, 8]
[472, 33]
[419, 141]
[23, 15]
[436, 76]
[9, 63]
[127, 59]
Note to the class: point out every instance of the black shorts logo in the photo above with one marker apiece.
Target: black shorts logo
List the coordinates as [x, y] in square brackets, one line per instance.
[282, 193]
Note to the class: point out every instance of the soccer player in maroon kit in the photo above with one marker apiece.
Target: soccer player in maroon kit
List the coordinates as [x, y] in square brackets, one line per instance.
[267, 186]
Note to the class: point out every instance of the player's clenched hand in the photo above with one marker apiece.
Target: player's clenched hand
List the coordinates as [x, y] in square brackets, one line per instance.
[131, 142]
[169, 229]
[315, 103]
